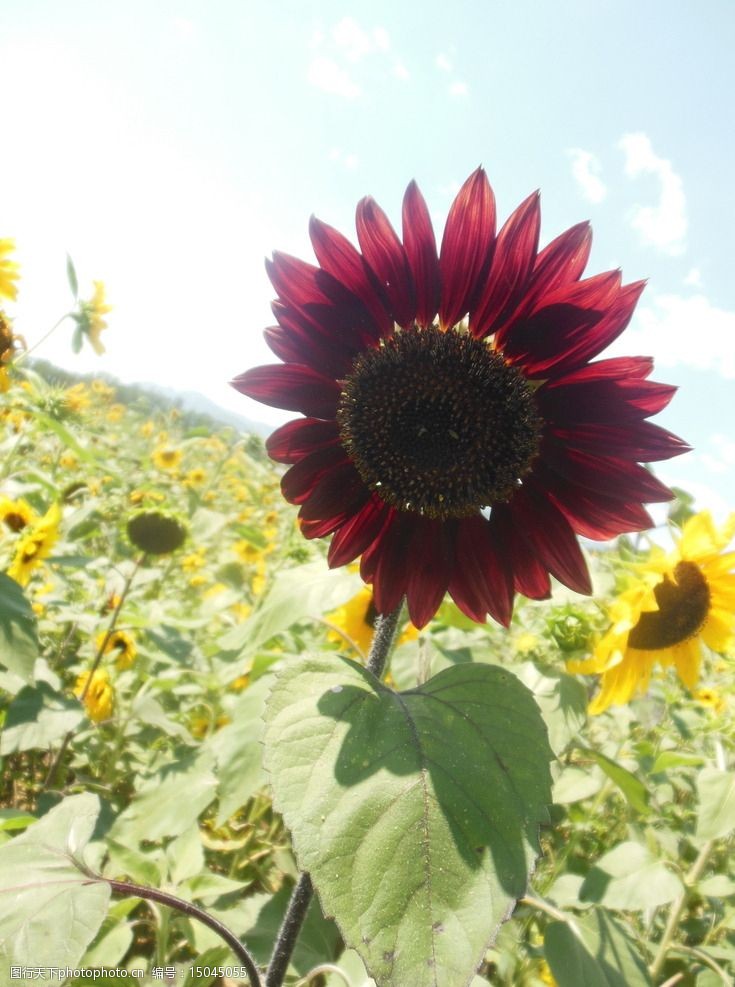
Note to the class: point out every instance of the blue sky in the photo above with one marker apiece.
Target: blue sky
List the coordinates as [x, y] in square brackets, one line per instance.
[170, 146]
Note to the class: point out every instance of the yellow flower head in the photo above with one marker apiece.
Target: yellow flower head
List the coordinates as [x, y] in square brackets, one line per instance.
[102, 389]
[68, 460]
[711, 699]
[247, 552]
[35, 545]
[195, 477]
[121, 645]
[167, 458]
[16, 514]
[146, 429]
[192, 562]
[115, 413]
[8, 341]
[95, 691]
[356, 620]
[678, 603]
[8, 271]
[77, 398]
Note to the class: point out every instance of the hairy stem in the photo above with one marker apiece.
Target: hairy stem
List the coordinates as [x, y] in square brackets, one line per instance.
[385, 632]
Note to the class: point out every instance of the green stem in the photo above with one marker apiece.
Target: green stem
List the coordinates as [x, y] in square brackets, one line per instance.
[677, 907]
[43, 339]
[385, 632]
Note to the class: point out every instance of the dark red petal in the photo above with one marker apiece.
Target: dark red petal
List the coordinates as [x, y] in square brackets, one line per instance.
[513, 258]
[551, 536]
[615, 368]
[561, 261]
[339, 258]
[640, 441]
[466, 247]
[388, 562]
[291, 386]
[296, 439]
[529, 576]
[482, 577]
[320, 297]
[384, 253]
[299, 482]
[297, 347]
[339, 493]
[592, 515]
[610, 401]
[319, 529]
[356, 534]
[601, 474]
[420, 243]
[432, 558]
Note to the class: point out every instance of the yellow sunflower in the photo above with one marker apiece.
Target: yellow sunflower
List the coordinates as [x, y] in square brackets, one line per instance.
[99, 698]
[8, 271]
[121, 645]
[195, 477]
[35, 545]
[356, 620]
[167, 458]
[91, 317]
[679, 602]
[16, 514]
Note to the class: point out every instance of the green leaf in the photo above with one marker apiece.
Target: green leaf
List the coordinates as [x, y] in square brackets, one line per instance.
[306, 591]
[717, 886]
[37, 717]
[635, 792]
[630, 878]
[169, 803]
[15, 819]
[575, 784]
[76, 339]
[673, 759]
[415, 813]
[71, 276]
[595, 951]
[49, 910]
[238, 750]
[716, 791]
[68, 439]
[562, 700]
[18, 639]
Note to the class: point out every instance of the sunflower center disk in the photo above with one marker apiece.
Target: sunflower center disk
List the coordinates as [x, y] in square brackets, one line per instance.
[683, 604]
[438, 424]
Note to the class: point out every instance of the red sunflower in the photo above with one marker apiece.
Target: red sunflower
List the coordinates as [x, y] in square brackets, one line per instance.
[456, 434]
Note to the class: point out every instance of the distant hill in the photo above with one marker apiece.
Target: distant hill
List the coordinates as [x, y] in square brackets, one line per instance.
[197, 406]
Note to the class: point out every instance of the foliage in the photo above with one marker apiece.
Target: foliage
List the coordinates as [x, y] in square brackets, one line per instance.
[235, 629]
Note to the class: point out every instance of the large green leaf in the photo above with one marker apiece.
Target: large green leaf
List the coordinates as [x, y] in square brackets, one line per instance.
[18, 639]
[49, 910]
[716, 790]
[630, 878]
[37, 717]
[594, 951]
[415, 813]
[635, 792]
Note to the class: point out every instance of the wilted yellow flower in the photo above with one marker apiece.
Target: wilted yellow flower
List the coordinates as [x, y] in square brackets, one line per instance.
[679, 602]
[90, 317]
[195, 477]
[121, 645]
[99, 699]
[16, 514]
[9, 270]
[167, 458]
[34, 545]
[356, 619]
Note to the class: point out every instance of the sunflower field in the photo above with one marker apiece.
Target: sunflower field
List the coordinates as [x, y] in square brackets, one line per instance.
[154, 586]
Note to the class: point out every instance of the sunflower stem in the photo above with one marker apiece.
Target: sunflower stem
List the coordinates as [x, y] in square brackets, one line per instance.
[385, 632]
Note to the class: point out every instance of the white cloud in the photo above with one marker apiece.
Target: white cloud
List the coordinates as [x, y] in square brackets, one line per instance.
[458, 88]
[354, 42]
[586, 170]
[326, 74]
[664, 225]
[694, 278]
[443, 62]
[683, 331]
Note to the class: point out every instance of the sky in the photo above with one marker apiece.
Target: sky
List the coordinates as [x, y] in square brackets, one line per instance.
[169, 147]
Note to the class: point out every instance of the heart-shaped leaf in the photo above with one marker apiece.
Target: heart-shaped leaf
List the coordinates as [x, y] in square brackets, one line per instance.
[415, 813]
